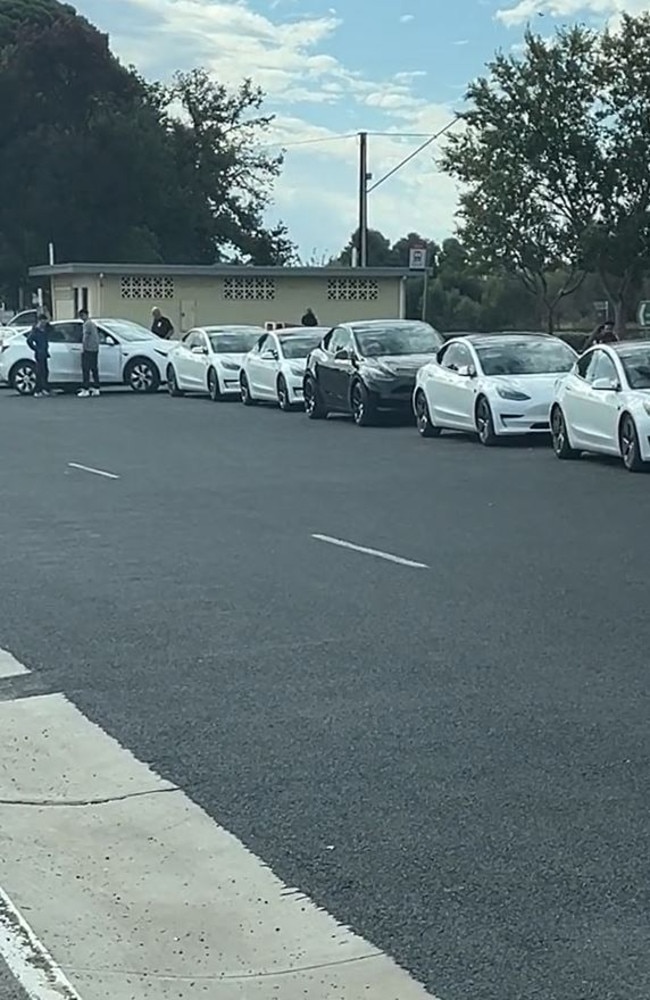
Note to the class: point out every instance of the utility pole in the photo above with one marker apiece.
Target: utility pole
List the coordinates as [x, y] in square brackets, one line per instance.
[363, 200]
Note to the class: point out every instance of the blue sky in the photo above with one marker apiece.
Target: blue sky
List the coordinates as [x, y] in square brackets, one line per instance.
[332, 69]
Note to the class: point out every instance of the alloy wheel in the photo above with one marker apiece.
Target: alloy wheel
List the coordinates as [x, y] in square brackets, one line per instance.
[141, 377]
[25, 380]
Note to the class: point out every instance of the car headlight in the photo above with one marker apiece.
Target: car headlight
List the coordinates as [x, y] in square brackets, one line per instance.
[646, 407]
[514, 394]
[230, 366]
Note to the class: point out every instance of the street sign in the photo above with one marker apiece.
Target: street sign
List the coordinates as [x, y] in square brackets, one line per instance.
[643, 315]
[418, 257]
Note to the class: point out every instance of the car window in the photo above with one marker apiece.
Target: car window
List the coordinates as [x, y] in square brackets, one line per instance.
[586, 365]
[72, 332]
[455, 356]
[341, 340]
[636, 364]
[193, 339]
[603, 367]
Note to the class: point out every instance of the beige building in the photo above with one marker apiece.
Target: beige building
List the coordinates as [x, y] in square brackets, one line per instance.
[221, 294]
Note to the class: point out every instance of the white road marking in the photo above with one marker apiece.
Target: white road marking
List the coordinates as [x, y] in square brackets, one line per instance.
[95, 472]
[28, 961]
[135, 893]
[370, 552]
[10, 667]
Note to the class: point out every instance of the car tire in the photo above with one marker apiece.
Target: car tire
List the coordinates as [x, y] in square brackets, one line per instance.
[142, 375]
[364, 411]
[314, 406]
[560, 436]
[423, 418]
[214, 390]
[22, 378]
[485, 423]
[284, 399]
[245, 391]
[172, 383]
[628, 438]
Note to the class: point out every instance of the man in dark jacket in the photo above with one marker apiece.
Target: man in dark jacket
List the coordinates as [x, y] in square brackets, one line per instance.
[161, 325]
[37, 341]
[309, 319]
[603, 334]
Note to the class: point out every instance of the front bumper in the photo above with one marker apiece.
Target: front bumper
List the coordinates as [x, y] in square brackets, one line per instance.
[392, 394]
[295, 387]
[514, 417]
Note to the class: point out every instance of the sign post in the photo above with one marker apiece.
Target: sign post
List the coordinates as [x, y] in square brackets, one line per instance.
[643, 315]
[418, 261]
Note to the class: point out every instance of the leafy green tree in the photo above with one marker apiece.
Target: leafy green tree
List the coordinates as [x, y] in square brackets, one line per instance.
[551, 157]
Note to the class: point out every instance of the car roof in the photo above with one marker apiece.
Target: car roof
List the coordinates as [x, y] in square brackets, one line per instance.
[293, 331]
[230, 328]
[625, 345]
[378, 324]
[487, 339]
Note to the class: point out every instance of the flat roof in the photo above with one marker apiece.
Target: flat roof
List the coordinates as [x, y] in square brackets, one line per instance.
[216, 271]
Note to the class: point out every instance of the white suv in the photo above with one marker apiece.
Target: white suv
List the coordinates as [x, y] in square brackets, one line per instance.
[128, 355]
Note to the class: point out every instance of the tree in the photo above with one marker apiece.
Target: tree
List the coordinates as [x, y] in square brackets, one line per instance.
[97, 163]
[216, 143]
[552, 160]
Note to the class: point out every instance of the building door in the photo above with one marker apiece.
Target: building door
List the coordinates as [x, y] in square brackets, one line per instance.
[81, 300]
[188, 314]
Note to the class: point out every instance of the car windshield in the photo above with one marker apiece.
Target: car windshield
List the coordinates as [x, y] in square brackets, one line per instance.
[124, 330]
[235, 342]
[300, 345]
[526, 357]
[403, 338]
[636, 362]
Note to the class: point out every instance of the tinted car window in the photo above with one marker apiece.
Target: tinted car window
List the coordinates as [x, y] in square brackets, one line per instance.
[585, 363]
[455, 356]
[397, 339]
[341, 340]
[603, 367]
[636, 363]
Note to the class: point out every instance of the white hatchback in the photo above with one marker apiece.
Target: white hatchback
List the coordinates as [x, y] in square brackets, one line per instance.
[274, 370]
[129, 355]
[208, 360]
[491, 384]
[604, 405]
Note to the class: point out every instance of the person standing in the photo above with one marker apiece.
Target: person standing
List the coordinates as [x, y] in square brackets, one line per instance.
[37, 341]
[309, 319]
[603, 334]
[161, 325]
[89, 356]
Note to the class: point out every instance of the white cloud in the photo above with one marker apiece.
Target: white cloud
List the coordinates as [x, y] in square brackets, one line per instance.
[524, 10]
[287, 54]
[407, 18]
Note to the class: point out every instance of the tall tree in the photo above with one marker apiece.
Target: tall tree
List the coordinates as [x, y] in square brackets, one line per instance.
[551, 160]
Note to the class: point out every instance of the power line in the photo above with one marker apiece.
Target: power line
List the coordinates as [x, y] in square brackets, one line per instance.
[311, 142]
[416, 152]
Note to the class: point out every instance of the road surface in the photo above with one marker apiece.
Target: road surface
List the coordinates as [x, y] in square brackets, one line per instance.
[435, 731]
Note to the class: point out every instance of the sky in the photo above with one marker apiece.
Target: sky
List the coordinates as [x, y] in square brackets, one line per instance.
[397, 69]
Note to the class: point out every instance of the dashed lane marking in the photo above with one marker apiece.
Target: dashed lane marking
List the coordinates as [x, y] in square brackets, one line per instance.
[377, 553]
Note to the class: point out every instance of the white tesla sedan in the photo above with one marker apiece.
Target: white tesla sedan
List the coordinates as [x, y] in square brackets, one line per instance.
[128, 355]
[208, 360]
[274, 370]
[491, 384]
[604, 405]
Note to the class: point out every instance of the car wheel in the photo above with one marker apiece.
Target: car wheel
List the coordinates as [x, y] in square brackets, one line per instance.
[172, 383]
[214, 390]
[423, 418]
[560, 436]
[142, 375]
[284, 399]
[629, 444]
[364, 411]
[245, 391]
[314, 406]
[485, 423]
[22, 378]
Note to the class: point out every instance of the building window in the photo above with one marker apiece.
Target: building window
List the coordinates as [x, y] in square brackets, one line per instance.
[154, 288]
[352, 289]
[262, 289]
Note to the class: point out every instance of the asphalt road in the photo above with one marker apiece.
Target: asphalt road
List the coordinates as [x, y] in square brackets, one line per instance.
[454, 761]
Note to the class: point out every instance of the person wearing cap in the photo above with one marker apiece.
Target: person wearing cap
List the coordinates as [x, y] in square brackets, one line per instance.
[161, 325]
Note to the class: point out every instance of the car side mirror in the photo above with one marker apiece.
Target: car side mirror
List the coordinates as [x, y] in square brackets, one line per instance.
[606, 385]
[269, 356]
[466, 371]
[199, 350]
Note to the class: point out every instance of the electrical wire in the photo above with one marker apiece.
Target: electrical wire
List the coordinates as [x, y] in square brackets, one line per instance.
[416, 152]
